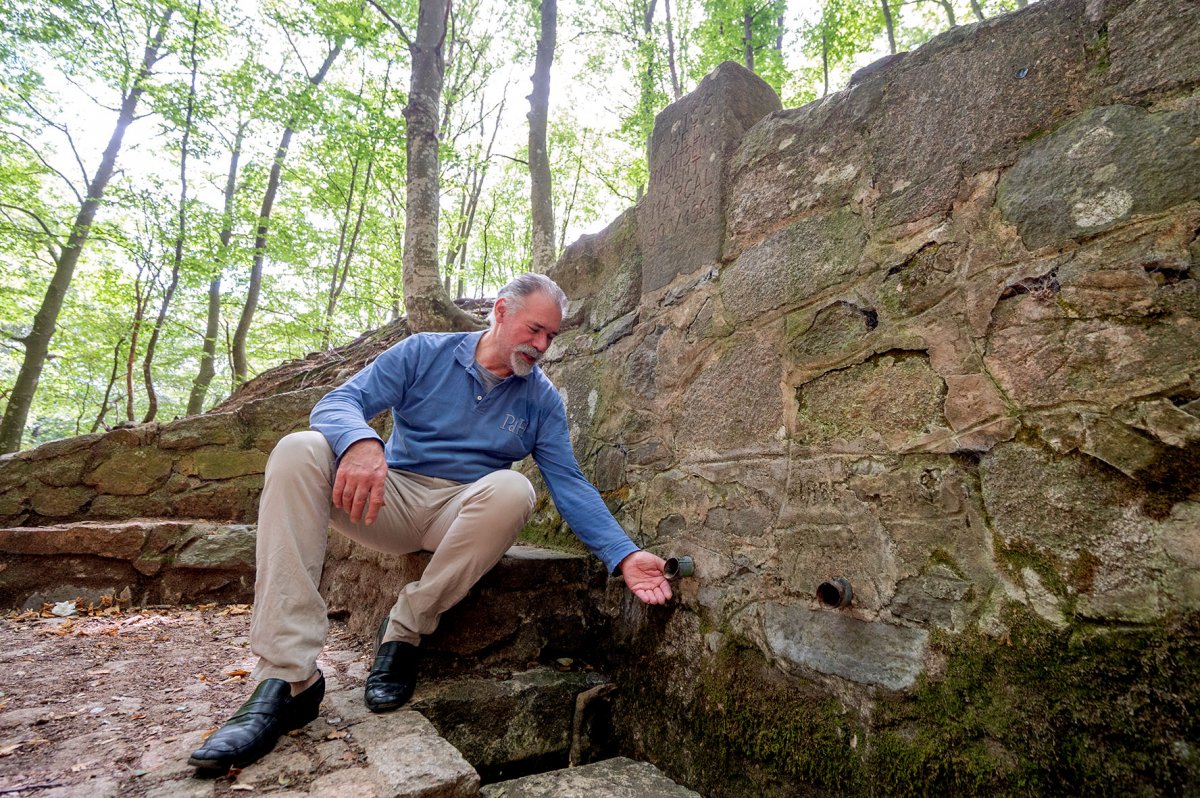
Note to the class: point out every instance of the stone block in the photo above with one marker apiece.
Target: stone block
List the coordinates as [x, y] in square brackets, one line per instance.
[58, 502]
[736, 401]
[131, 471]
[534, 600]
[222, 462]
[1099, 169]
[800, 161]
[611, 778]
[793, 265]
[838, 644]
[503, 724]
[209, 429]
[604, 272]
[681, 221]
[1154, 45]
[1014, 75]
[888, 403]
[407, 755]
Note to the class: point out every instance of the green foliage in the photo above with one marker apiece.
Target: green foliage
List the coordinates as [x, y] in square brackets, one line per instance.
[750, 32]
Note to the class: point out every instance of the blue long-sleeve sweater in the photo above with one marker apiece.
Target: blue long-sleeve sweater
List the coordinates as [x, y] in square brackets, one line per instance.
[444, 425]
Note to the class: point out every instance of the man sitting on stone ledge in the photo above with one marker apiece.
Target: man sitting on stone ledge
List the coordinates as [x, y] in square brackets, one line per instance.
[465, 406]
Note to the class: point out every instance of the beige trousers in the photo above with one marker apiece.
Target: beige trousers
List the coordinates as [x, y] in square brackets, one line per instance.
[468, 527]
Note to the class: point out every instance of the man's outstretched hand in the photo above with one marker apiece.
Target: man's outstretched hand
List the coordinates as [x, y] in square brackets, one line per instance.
[359, 485]
[643, 574]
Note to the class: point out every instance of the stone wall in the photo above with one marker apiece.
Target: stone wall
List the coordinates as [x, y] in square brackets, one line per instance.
[940, 339]
[199, 467]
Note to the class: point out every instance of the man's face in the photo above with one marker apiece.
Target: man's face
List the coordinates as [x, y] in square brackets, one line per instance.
[524, 331]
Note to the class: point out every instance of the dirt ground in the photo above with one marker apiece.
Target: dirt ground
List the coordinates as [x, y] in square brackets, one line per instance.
[110, 701]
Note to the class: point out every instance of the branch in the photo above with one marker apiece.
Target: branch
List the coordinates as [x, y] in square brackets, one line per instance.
[399, 28]
[62, 129]
[514, 160]
[45, 228]
[50, 168]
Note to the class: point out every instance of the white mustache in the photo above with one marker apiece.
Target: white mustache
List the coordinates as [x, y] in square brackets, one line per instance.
[526, 349]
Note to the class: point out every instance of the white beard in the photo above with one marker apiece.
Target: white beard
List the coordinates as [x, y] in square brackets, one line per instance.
[520, 366]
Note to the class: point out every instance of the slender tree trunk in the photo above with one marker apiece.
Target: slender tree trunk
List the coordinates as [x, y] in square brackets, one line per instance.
[177, 262]
[112, 380]
[825, 58]
[977, 10]
[212, 329]
[949, 9]
[140, 301]
[541, 190]
[748, 39]
[240, 365]
[425, 298]
[37, 342]
[676, 89]
[340, 274]
[890, 25]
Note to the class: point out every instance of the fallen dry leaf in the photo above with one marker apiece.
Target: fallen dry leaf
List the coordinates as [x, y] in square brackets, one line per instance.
[336, 734]
[243, 787]
[237, 672]
[8, 750]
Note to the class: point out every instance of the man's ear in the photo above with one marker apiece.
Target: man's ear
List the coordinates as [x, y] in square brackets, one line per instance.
[500, 309]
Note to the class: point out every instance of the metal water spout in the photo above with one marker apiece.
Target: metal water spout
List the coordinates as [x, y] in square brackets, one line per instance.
[835, 592]
[679, 566]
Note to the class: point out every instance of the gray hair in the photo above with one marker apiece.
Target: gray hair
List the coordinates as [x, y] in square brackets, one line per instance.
[526, 285]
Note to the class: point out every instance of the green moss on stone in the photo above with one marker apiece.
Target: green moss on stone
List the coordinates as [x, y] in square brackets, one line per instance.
[1048, 712]
[1037, 711]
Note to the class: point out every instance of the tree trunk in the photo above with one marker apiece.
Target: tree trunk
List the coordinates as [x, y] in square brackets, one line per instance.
[140, 301]
[748, 39]
[425, 298]
[177, 263]
[890, 25]
[112, 380]
[37, 342]
[208, 353]
[676, 88]
[345, 250]
[240, 366]
[541, 190]
[949, 9]
[825, 57]
[977, 10]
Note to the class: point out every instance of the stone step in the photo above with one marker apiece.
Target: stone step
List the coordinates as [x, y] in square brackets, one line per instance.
[611, 778]
[534, 606]
[509, 725]
[144, 562]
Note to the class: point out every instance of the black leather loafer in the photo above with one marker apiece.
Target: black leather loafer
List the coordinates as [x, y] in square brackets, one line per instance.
[393, 675]
[258, 724]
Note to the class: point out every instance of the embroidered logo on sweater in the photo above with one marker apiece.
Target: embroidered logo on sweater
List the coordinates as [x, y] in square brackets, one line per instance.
[513, 424]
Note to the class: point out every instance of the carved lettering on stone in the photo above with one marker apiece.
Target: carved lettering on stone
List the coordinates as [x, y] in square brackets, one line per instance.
[682, 219]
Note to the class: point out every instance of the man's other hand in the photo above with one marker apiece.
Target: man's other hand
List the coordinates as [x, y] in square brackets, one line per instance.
[643, 574]
[360, 480]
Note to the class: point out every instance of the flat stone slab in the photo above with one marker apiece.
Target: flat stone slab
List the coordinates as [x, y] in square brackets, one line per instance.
[612, 778]
[145, 561]
[830, 641]
[406, 757]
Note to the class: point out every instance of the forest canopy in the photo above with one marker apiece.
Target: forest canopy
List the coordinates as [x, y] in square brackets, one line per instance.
[192, 191]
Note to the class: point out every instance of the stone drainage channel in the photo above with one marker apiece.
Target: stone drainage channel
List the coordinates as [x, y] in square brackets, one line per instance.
[109, 701]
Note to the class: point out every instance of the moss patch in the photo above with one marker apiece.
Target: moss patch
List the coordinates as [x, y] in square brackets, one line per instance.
[1039, 711]
[1048, 712]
